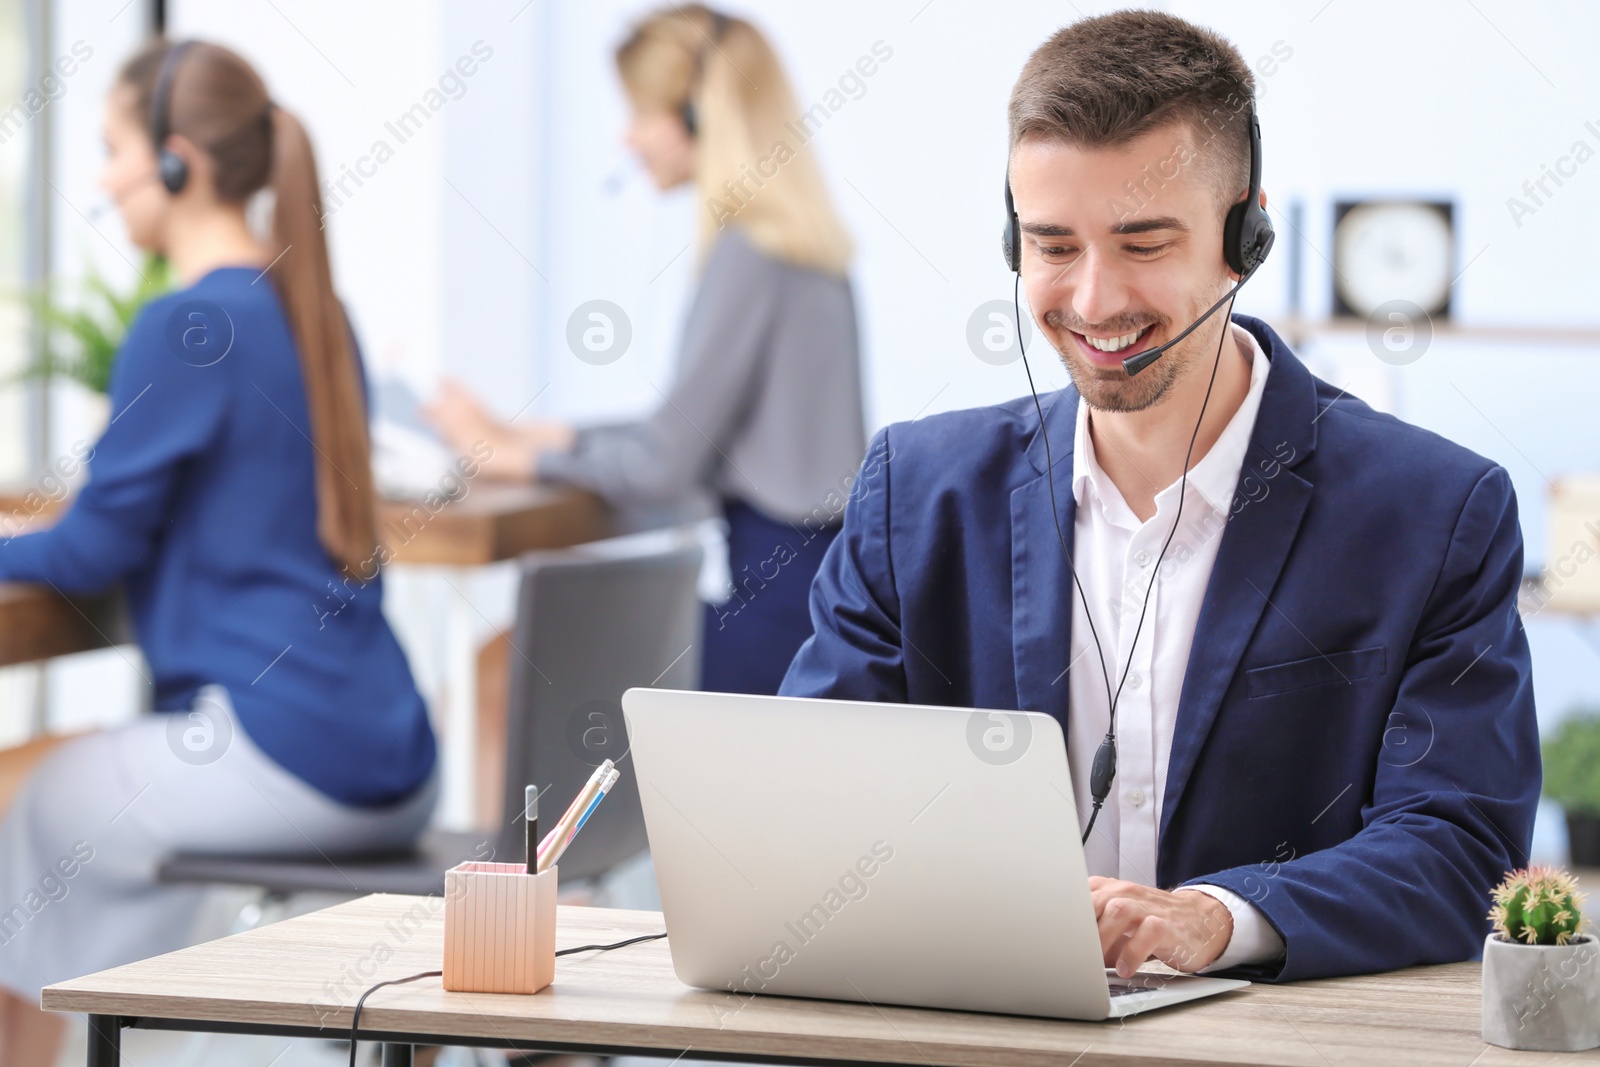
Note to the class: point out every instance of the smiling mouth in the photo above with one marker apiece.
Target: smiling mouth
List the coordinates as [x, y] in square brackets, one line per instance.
[1110, 351]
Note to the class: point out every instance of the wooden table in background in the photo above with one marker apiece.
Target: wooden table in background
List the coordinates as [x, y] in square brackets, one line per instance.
[296, 979]
[491, 523]
[36, 623]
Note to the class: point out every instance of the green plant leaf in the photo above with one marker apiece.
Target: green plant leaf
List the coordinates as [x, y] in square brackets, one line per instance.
[1571, 756]
[80, 342]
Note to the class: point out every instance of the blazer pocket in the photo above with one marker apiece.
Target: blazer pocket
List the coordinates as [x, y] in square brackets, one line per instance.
[1338, 668]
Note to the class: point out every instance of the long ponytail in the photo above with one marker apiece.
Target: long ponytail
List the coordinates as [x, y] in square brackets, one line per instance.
[346, 509]
[219, 102]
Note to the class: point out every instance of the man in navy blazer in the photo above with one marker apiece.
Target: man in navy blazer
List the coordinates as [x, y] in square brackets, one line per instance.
[1355, 750]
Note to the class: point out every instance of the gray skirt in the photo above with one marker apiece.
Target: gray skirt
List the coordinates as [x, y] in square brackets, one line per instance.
[80, 847]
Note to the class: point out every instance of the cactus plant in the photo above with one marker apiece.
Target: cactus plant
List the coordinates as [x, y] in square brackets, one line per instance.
[1538, 905]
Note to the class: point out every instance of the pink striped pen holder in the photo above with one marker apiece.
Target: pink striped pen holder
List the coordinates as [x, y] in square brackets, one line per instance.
[499, 928]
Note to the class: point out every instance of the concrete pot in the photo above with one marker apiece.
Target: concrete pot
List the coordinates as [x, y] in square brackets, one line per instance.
[1544, 998]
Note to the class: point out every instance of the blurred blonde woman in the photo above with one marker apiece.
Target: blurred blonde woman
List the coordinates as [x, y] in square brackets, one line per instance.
[765, 411]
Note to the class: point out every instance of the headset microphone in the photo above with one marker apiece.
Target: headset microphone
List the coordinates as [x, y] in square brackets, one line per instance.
[98, 210]
[1140, 360]
[1247, 237]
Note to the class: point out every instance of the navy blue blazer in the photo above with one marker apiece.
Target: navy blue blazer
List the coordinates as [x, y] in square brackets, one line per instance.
[1355, 750]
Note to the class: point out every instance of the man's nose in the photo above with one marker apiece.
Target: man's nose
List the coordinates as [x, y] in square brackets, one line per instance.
[1099, 293]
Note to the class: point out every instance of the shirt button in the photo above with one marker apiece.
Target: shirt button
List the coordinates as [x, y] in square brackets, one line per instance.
[1135, 679]
[1136, 797]
[1142, 558]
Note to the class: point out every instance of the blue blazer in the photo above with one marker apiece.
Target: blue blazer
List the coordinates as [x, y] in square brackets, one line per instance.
[1355, 751]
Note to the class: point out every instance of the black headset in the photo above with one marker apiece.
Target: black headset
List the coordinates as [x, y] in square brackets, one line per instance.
[172, 168]
[1247, 233]
[1247, 237]
[691, 119]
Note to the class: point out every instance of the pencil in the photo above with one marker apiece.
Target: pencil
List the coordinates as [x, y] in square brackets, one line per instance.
[605, 787]
[574, 812]
[599, 775]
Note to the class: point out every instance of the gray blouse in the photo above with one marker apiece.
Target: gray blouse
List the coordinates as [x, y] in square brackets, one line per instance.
[766, 405]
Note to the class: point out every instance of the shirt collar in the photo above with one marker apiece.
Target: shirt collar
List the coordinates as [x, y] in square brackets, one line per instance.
[1215, 477]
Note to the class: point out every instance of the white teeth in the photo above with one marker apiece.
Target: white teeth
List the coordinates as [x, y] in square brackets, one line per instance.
[1114, 344]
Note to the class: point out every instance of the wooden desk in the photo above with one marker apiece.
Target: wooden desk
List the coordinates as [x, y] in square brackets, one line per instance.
[36, 623]
[285, 980]
[491, 523]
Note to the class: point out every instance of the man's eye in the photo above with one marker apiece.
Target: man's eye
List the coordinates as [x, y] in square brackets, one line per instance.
[1055, 250]
[1144, 250]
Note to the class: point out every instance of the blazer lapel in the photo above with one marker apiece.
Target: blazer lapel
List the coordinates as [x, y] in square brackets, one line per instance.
[1255, 546]
[1041, 584]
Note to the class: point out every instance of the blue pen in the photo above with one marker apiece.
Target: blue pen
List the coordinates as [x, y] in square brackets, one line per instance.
[605, 787]
[561, 846]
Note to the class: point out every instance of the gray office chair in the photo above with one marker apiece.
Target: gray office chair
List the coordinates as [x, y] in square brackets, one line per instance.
[591, 622]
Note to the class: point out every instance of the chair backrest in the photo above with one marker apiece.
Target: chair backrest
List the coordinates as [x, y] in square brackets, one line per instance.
[591, 622]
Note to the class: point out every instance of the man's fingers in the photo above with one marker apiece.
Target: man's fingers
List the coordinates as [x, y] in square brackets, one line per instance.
[1110, 889]
[1116, 921]
[1185, 930]
[1146, 941]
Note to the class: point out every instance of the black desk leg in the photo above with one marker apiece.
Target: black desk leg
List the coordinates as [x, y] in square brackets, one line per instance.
[396, 1055]
[105, 1041]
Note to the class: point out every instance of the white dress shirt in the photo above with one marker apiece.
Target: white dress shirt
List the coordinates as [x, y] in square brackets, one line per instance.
[1114, 554]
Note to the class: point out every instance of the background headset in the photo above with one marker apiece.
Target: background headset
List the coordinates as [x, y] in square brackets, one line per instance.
[691, 118]
[1247, 237]
[172, 168]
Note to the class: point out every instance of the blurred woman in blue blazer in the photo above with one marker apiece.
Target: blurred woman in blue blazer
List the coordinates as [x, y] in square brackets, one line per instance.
[231, 497]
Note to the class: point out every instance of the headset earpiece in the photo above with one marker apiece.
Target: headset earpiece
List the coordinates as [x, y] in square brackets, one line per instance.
[691, 117]
[172, 168]
[1247, 233]
[1011, 236]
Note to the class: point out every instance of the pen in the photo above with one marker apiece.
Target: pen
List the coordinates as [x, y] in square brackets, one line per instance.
[530, 813]
[562, 843]
[605, 787]
[563, 829]
[572, 809]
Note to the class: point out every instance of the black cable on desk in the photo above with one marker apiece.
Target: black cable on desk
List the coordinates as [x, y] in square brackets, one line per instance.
[608, 948]
[355, 1018]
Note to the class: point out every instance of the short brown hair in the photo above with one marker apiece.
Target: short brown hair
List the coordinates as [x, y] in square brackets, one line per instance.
[1105, 81]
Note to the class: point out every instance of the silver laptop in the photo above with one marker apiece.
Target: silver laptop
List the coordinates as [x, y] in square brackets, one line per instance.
[889, 853]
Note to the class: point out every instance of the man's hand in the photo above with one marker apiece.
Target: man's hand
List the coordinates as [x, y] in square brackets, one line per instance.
[1185, 929]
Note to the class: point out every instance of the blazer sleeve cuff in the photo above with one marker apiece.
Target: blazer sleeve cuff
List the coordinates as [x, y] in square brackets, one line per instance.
[1254, 939]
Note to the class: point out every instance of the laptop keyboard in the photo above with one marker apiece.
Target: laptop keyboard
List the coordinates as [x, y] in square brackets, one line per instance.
[1143, 983]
